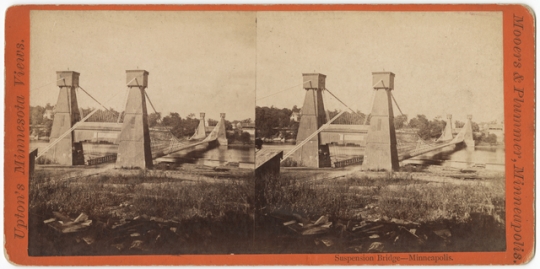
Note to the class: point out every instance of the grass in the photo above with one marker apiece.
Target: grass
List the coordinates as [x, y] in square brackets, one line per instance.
[391, 196]
[431, 202]
[151, 194]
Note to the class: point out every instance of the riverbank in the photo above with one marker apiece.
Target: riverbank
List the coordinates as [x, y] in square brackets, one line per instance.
[432, 208]
[191, 209]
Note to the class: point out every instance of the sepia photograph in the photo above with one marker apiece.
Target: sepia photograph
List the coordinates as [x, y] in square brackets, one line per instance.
[380, 132]
[142, 132]
[350, 134]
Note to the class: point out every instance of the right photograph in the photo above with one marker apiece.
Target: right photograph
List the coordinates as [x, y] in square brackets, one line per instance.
[379, 132]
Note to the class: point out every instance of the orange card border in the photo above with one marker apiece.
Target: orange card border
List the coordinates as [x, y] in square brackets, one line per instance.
[519, 92]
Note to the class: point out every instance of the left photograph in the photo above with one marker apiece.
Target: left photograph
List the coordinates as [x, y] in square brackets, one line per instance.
[141, 132]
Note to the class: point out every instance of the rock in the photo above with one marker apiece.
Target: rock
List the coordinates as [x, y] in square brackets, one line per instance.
[443, 233]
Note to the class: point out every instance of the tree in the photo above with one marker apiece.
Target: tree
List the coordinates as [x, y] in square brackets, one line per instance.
[153, 119]
[212, 122]
[268, 120]
[245, 138]
[427, 130]
[491, 139]
[228, 125]
[36, 115]
[400, 121]
[475, 126]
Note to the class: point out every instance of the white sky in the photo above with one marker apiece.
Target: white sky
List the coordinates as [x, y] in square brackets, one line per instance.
[445, 62]
[198, 61]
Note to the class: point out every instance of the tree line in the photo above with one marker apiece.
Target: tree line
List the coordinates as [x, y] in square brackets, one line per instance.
[180, 127]
[271, 122]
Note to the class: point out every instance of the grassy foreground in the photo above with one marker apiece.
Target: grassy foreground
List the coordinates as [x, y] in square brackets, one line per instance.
[151, 193]
[433, 209]
[388, 195]
[167, 212]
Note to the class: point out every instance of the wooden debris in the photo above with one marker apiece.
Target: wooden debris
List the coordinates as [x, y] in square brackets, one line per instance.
[289, 223]
[321, 220]
[327, 242]
[82, 217]
[67, 225]
[89, 240]
[376, 247]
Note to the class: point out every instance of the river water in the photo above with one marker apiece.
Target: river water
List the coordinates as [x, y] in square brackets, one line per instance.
[202, 154]
[492, 158]
[213, 156]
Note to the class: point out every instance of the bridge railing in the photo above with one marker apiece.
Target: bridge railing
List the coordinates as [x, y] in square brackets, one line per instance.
[354, 160]
[104, 159]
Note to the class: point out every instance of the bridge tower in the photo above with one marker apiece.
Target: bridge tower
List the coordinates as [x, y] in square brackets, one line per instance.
[66, 114]
[222, 132]
[448, 130]
[200, 132]
[134, 138]
[381, 143]
[468, 137]
[312, 154]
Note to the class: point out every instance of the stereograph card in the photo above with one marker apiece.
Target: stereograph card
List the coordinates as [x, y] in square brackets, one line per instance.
[269, 135]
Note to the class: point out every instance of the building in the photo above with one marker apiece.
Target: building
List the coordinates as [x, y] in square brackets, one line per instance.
[496, 129]
[295, 116]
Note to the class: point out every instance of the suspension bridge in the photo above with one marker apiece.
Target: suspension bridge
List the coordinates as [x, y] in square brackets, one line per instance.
[137, 146]
[379, 148]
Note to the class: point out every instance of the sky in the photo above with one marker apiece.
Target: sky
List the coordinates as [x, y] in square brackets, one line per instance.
[198, 61]
[444, 62]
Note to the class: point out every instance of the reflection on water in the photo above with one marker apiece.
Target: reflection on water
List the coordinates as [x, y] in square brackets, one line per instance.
[198, 154]
[462, 157]
[218, 154]
[453, 156]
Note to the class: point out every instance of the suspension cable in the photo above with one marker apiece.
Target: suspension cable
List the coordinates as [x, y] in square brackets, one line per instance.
[283, 90]
[71, 129]
[92, 97]
[150, 101]
[51, 145]
[396, 104]
[47, 84]
[340, 101]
